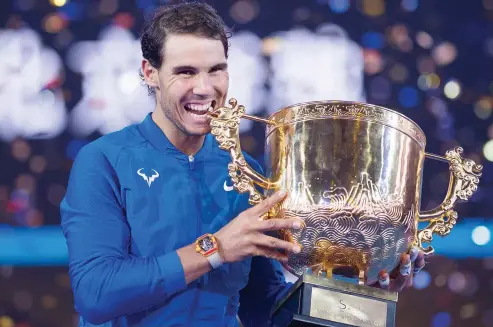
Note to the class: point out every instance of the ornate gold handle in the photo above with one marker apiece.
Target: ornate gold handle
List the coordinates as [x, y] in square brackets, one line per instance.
[225, 125]
[464, 179]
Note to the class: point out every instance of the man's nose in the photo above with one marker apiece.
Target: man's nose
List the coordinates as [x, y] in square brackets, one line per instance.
[203, 85]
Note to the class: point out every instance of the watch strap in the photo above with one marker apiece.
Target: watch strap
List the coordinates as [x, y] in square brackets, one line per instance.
[215, 260]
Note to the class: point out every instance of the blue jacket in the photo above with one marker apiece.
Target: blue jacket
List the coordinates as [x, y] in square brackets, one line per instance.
[132, 200]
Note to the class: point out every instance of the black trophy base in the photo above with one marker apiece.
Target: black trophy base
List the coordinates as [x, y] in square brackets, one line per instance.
[321, 301]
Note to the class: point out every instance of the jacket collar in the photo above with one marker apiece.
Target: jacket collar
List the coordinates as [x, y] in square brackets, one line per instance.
[151, 131]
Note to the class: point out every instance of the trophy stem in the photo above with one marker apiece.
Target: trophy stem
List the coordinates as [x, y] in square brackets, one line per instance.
[328, 272]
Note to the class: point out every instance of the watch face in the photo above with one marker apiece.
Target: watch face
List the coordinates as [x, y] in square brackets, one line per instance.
[206, 244]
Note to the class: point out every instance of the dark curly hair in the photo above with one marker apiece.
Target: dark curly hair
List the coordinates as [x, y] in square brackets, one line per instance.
[196, 18]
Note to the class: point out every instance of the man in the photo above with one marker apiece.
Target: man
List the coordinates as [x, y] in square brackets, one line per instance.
[139, 200]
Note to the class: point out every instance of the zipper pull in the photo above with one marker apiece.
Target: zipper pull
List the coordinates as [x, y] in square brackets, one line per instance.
[191, 159]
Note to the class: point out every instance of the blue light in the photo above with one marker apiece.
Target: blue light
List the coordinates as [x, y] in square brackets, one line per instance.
[72, 10]
[372, 40]
[422, 280]
[339, 6]
[46, 246]
[441, 319]
[408, 97]
[481, 235]
[409, 5]
[459, 244]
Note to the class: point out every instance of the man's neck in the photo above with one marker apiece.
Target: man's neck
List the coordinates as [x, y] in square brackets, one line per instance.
[188, 144]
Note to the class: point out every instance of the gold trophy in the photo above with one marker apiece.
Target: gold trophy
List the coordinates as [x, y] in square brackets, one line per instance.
[353, 172]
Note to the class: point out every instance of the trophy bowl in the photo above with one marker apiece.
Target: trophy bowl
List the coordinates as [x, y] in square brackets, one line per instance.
[353, 173]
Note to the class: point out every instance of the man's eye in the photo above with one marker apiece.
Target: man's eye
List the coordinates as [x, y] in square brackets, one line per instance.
[218, 69]
[186, 73]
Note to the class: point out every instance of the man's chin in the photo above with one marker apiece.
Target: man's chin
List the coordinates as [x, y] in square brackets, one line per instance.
[198, 131]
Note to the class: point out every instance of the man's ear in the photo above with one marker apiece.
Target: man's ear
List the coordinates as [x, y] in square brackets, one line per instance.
[149, 74]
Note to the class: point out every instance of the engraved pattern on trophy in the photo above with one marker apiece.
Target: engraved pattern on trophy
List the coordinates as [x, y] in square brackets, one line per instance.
[354, 228]
[464, 179]
[352, 110]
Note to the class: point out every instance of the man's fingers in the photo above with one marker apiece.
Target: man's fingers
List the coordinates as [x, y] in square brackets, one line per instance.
[274, 224]
[405, 267]
[403, 276]
[419, 263]
[413, 254]
[264, 206]
[383, 279]
[265, 241]
[272, 254]
[404, 272]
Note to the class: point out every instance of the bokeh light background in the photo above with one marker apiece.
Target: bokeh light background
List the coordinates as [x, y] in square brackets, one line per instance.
[69, 74]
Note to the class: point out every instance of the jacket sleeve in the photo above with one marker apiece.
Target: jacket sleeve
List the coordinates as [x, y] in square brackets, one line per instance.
[106, 280]
[266, 286]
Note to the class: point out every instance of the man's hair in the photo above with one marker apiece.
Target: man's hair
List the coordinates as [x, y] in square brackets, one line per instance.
[195, 18]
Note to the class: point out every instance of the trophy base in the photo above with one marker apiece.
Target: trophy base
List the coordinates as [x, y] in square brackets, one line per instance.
[321, 301]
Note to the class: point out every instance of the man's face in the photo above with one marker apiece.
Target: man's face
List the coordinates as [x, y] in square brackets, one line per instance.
[192, 79]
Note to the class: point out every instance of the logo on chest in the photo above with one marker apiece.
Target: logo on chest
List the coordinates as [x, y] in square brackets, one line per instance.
[148, 179]
[227, 188]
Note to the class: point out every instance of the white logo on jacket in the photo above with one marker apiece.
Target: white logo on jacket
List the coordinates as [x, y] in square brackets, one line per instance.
[148, 179]
[227, 188]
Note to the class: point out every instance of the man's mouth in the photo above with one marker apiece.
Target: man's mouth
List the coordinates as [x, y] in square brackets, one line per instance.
[200, 108]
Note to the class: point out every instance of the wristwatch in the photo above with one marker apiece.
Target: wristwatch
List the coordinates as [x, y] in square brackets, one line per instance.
[207, 246]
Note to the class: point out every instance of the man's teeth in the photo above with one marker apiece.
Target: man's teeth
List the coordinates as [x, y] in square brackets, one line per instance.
[199, 107]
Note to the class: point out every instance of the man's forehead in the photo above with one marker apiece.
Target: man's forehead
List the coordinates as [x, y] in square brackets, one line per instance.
[190, 50]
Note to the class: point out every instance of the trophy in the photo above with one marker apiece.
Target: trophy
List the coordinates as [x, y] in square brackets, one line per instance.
[353, 173]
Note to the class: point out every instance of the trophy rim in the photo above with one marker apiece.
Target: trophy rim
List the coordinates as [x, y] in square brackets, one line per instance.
[417, 133]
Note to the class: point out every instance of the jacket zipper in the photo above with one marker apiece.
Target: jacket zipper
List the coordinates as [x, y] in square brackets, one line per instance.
[191, 160]
[191, 164]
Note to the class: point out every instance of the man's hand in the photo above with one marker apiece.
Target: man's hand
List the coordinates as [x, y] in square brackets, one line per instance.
[244, 236]
[401, 277]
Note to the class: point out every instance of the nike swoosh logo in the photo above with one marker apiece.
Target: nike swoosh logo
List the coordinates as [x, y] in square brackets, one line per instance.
[227, 188]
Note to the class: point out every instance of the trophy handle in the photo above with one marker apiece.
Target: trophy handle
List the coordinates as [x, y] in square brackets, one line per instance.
[464, 179]
[225, 126]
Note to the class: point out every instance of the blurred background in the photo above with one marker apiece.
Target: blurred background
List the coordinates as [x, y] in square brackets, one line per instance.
[69, 74]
